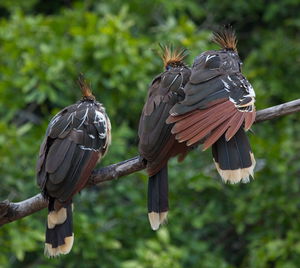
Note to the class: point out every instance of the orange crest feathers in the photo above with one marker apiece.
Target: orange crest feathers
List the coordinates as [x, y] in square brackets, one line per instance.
[85, 89]
[226, 38]
[170, 55]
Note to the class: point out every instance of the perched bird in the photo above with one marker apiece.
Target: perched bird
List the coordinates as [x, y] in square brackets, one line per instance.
[156, 142]
[76, 138]
[218, 108]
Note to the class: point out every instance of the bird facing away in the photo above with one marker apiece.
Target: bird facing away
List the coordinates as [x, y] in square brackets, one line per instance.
[156, 142]
[218, 108]
[76, 138]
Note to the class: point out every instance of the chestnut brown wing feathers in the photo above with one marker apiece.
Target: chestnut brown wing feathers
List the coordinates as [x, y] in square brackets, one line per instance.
[216, 93]
[75, 139]
[218, 104]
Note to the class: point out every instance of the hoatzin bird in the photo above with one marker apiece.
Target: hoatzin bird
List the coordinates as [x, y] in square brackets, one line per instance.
[156, 142]
[76, 138]
[218, 108]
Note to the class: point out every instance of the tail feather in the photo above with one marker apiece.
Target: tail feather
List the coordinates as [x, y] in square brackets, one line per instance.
[59, 231]
[234, 159]
[158, 204]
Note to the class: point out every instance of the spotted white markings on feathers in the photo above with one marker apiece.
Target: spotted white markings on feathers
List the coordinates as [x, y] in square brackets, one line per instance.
[82, 147]
[78, 130]
[173, 81]
[230, 79]
[85, 116]
[72, 115]
[100, 118]
[245, 87]
[54, 121]
[251, 91]
[226, 85]
[248, 107]
[248, 87]
[92, 136]
[64, 129]
[208, 57]
[232, 100]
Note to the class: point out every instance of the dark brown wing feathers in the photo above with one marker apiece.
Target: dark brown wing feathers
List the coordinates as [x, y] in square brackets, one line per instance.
[156, 141]
[56, 154]
[75, 139]
[212, 100]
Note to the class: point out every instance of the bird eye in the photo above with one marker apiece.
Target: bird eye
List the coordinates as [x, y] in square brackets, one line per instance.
[168, 67]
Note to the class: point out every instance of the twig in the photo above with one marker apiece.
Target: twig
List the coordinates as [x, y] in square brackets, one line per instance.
[10, 211]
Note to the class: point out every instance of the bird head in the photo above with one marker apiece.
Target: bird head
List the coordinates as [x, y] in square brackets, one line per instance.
[85, 88]
[171, 57]
[226, 38]
[227, 57]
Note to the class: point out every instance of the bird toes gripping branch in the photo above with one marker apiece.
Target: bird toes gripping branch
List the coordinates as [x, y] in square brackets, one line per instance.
[76, 138]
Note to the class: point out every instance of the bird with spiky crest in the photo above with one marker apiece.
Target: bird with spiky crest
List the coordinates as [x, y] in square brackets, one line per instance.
[172, 57]
[76, 138]
[226, 39]
[156, 142]
[218, 108]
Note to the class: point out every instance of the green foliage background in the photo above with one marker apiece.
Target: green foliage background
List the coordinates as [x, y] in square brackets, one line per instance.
[45, 44]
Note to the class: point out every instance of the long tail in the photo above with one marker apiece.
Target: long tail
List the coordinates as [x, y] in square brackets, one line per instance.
[234, 159]
[59, 230]
[158, 204]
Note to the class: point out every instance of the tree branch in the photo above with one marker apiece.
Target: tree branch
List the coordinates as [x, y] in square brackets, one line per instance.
[278, 111]
[10, 211]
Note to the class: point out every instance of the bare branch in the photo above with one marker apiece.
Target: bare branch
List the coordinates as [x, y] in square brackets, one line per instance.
[278, 111]
[10, 211]
[117, 170]
[13, 211]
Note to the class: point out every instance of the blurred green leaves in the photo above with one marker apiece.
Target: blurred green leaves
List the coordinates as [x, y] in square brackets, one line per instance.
[44, 45]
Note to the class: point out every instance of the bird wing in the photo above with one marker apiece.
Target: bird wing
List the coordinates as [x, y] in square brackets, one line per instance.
[75, 139]
[218, 100]
[155, 138]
